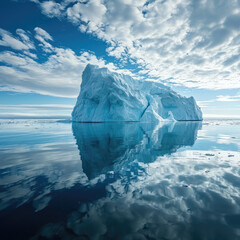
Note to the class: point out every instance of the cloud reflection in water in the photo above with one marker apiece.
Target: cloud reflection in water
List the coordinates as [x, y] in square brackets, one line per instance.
[139, 181]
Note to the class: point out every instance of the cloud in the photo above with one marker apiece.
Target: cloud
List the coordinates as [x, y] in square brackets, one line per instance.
[43, 37]
[90, 12]
[226, 98]
[60, 75]
[13, 59]
[22, 43]
[41, 106]
[35, 110]
[222, 106]
[220, 98]
[192, 42]
[42, 33]
[51, 8]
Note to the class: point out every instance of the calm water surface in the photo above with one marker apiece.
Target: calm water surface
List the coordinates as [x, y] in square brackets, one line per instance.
[119, 181]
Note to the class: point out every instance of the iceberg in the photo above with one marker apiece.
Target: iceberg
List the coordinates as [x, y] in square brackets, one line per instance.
[107, 96]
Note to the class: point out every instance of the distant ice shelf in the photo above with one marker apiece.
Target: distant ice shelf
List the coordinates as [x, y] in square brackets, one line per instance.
[107, 96]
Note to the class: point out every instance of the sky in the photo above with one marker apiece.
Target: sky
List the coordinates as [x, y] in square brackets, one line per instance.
[190, 45]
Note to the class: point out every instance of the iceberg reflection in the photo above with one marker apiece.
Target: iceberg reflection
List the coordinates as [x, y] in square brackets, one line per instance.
[157, 191]
[103, 145]
[121, 181]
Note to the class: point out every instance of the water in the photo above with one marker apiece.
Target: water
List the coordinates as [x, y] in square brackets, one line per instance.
[60, 180]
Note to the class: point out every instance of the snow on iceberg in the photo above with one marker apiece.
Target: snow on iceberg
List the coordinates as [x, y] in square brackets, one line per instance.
[107, 96]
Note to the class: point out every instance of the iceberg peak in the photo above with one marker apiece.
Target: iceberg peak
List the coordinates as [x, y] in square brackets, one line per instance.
[107, 96]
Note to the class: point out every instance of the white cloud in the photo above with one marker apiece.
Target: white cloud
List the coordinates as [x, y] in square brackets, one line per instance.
[51, 8]
[90, 12]
[220, 98]
[8, 40]
[13, 59]
[226, 98]
[40, 32]
[194, 42]
[59, 75]
[43, 37]
[34, 110]
[37, 106]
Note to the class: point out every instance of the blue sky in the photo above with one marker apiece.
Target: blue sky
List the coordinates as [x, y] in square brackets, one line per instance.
[192, 46]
